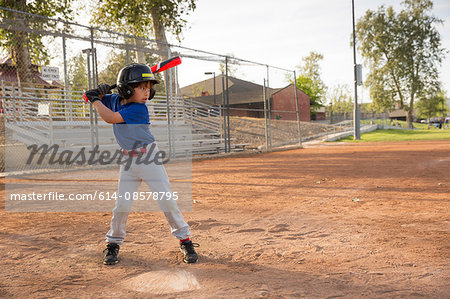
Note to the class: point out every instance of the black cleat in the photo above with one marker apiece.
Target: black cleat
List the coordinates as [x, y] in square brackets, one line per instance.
[187, 248]
[111, 254]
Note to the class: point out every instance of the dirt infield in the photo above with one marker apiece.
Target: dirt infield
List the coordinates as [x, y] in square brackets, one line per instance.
[332, 221]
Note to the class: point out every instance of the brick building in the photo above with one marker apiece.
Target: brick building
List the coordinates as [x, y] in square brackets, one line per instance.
[8, 76]
[284, 100]
[247, 98]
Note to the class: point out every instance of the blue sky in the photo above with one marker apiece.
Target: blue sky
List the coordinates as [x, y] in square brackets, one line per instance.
[281, 32]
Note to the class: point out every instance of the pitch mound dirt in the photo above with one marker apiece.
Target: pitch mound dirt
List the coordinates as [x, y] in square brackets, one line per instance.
[353, 220]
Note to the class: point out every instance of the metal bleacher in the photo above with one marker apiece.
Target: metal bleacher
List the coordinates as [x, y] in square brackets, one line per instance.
[32, 116]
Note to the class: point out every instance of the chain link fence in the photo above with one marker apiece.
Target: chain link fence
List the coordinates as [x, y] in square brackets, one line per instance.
[210, 104]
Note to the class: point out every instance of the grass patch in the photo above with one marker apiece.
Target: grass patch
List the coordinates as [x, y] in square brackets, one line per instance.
[401, 135]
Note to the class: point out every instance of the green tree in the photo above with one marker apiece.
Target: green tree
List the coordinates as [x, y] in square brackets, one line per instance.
[428, 107]
[232, 65]
[403, 51]
[76, 72]
[309, 80]
[366, 108]
[28, 48]
[339, 100]
[139, 17]
[311, 68]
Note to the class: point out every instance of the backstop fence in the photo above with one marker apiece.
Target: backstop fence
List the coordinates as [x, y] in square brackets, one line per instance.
[211, 103]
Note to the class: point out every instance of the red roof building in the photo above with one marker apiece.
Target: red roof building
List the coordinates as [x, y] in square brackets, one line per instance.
[8, 73]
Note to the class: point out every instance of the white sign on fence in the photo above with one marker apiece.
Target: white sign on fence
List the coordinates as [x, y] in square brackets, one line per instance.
[50, 73]
[43, 109]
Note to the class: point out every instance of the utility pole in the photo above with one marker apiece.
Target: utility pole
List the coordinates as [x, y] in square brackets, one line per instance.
[356, 115]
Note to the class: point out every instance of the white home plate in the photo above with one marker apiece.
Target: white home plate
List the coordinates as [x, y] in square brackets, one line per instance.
[163, 282]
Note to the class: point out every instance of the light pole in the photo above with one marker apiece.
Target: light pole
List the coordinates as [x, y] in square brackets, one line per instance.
[356, 117]
[214, 74]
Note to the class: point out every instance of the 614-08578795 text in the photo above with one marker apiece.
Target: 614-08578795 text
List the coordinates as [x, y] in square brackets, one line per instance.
[143, 195]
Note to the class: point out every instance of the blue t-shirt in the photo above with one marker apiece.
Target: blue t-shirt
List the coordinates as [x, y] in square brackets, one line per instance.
[135, 131]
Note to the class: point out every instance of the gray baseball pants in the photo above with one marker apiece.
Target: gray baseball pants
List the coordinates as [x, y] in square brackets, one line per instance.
[155, 176]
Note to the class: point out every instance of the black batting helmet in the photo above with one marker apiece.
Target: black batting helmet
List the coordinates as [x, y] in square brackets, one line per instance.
[133, 73]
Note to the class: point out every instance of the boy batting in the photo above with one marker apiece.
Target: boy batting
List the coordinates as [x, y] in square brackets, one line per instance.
[128, 113]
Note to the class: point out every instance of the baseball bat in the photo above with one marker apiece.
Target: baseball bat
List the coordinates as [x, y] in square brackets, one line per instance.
[157, 68]
[165, 65]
